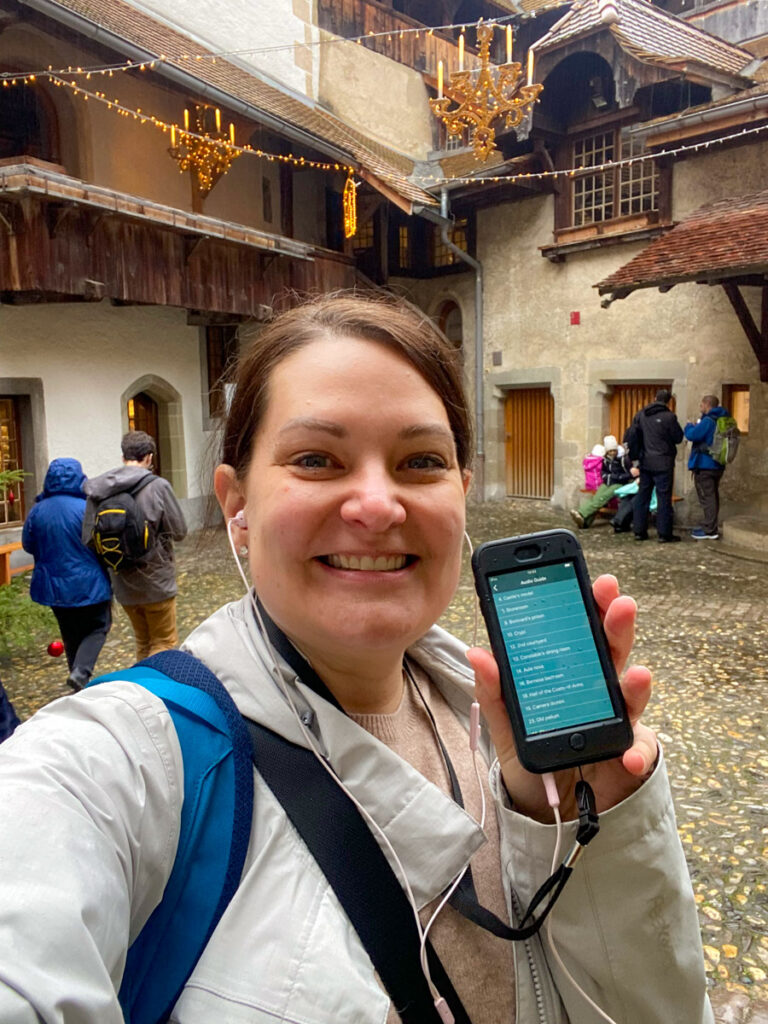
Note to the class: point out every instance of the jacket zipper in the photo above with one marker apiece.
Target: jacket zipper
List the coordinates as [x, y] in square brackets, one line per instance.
[532, 966]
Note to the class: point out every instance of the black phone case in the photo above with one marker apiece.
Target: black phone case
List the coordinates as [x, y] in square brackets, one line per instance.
[575, 745]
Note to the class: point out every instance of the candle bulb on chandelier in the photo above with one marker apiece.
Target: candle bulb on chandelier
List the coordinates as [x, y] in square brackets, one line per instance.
[231, 133]
[186, 120]
[461, 52]
[173, 135]
[439, 79]
[530, 67]
[509, 44]
[218, 120]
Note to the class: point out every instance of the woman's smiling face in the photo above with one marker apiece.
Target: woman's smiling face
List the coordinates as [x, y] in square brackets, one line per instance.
[354, 500]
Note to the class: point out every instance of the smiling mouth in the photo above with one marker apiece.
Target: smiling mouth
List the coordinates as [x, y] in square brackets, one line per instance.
[368, 563]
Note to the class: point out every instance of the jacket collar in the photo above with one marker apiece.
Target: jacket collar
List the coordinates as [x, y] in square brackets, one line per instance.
[433, 837]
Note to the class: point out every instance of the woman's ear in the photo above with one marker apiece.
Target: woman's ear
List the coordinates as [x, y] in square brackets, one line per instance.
[466, 479]
[228, 491]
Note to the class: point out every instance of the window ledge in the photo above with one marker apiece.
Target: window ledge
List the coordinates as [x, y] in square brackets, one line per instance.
[615, 234]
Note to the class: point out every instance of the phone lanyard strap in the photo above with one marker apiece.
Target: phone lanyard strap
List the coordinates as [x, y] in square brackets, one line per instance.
[464, 899]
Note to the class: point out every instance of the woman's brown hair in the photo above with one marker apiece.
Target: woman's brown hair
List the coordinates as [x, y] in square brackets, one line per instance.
[384, 319]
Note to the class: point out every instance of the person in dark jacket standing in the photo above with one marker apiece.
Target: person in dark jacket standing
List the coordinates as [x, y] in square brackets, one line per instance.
[67, 576]
[653, 439]
[706, 472]
[147, 592]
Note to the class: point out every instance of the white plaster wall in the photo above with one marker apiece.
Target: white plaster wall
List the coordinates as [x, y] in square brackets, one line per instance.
[719, 173]
[350, 85]
[246, 27]
[87, 356]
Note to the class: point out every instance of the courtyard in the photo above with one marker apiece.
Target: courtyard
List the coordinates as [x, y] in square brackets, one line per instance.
[703, 631]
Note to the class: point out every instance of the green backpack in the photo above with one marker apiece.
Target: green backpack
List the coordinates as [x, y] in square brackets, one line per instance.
[725, 442]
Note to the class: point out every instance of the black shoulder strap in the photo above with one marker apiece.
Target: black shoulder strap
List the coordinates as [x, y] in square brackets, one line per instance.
[366, 886]
[142, 484]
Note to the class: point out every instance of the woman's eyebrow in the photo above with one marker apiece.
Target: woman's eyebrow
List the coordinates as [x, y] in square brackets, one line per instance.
[426, 430]
[313, 423]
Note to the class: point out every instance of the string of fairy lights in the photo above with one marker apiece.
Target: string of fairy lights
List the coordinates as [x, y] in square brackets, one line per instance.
[424, 181]
[151, 63]
[68, 78]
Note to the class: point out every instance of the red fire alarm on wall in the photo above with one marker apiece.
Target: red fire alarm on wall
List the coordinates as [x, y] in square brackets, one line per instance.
[575, 318]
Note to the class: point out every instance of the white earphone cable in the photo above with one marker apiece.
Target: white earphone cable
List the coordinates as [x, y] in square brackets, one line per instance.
[440, 1004]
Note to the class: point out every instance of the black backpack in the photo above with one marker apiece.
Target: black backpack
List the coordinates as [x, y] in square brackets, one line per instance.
[122, 536]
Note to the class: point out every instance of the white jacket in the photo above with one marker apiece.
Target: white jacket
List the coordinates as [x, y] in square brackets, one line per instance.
[90, 793]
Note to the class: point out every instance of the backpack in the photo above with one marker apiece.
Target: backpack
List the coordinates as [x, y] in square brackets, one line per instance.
[725, 440]
[9, 720]
[213, 837]
[121, 535]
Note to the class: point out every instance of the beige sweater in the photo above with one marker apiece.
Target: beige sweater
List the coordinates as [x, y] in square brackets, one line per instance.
[479, 964]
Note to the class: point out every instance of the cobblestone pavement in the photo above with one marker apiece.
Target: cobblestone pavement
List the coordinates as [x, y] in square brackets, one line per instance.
[702, 629]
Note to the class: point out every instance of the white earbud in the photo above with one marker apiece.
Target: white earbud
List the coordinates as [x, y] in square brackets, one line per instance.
[240, 520]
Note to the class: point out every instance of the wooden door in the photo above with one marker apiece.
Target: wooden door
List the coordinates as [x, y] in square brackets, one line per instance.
[143, 415]
[626, 400]
[529, 423]
[11, 496]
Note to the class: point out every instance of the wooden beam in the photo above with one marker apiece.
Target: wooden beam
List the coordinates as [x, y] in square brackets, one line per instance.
[758, 338]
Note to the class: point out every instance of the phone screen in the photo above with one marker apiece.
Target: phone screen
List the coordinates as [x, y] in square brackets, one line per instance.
[555, 665]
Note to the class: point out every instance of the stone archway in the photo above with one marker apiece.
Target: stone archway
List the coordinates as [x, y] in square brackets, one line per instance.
[170, 426]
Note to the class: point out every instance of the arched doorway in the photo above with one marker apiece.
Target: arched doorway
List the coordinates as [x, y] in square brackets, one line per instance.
[143, 415]
[449, 321]
[153, 405]
[28, 124]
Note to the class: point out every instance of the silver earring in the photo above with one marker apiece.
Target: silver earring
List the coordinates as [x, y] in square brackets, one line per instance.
[243, 550]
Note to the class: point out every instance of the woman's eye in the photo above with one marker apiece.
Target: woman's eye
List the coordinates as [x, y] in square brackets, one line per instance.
[426, 461]
[312, 460]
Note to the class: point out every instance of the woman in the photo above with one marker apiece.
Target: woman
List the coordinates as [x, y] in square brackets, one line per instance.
[347, 452]
[67, 575]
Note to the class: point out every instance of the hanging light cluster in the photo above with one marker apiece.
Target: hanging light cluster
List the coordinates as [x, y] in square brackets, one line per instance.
[206, 150]
[349, 201]
[485, 94]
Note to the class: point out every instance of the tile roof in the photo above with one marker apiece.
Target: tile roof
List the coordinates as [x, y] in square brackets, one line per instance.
[726, 238]
[537, 6]
[648, 34]
[140, 29]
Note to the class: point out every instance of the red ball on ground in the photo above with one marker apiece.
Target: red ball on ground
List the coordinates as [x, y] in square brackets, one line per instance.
[55, 648]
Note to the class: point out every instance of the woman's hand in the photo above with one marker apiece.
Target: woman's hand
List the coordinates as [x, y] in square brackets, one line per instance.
[611, 781]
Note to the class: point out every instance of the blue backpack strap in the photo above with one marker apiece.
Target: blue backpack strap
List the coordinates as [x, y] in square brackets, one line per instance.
[213, 838]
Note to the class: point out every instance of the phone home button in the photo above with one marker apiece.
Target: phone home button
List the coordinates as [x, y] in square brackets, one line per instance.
[577, 741]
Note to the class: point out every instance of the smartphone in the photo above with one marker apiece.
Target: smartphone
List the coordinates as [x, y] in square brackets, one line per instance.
[557, 675]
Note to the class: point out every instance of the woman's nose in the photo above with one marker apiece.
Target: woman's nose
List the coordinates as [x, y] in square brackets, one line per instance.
[374, 503]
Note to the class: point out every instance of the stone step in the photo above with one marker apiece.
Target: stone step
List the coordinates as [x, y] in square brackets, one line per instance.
[749, 532]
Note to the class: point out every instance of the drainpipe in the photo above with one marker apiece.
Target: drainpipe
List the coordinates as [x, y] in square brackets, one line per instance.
[479, 356]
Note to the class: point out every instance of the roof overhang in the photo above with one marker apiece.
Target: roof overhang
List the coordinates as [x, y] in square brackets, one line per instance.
[722, 243]
[27, 179]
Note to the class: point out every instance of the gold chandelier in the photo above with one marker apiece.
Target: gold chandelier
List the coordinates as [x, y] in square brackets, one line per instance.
[485, 94]
[205, 149]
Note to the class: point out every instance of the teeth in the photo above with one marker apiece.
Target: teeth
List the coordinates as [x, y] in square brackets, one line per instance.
[367, 563]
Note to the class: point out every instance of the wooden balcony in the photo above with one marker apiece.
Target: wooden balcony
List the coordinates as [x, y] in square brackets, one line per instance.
[419, 50]
[62, 239]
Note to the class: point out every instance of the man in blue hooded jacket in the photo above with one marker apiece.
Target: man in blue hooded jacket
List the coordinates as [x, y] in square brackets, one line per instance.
[706, 472]
[67, 575]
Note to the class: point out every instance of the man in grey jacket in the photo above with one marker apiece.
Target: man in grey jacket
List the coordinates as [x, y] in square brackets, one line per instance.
[148, 591]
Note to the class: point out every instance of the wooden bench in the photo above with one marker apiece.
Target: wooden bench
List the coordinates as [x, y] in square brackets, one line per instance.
[6, 550]
[610, 509]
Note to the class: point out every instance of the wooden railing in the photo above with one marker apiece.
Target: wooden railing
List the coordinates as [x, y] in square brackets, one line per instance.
[421, 51]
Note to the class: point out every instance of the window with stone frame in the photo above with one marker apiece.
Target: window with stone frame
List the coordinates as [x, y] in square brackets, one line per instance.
[630, 193]
[221, 350]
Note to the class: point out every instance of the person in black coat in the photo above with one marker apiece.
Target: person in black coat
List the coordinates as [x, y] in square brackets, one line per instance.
[653, 437]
